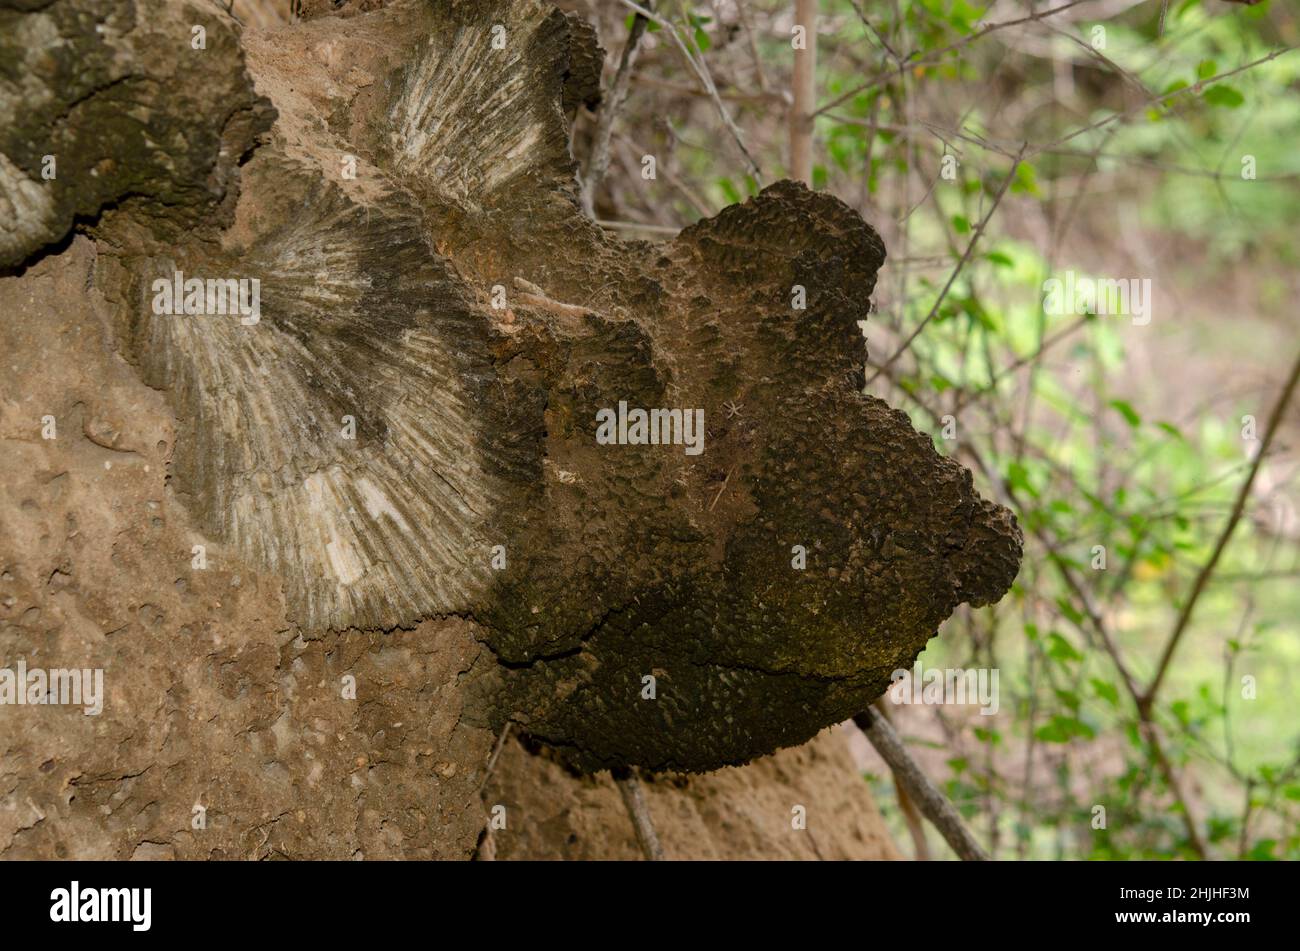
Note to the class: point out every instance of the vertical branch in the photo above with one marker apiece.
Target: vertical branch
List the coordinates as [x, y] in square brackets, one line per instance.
[805, 94]
[701, 70]
[598, 161]
[630, 788]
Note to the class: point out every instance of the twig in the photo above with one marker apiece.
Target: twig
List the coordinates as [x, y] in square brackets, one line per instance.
[1195, 88]
[637, 226]
[722, 488]
[930, 58]
[970, 247]
[702, 73]
[598, 162]
[933, 804]
[487, 849]
[906, 805]
[1203, 577]
[634, 799]
[496, 754]
[743, 9]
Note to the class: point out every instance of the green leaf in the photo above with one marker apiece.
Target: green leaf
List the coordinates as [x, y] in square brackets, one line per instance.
[1263, 851]
[1052, 733]
[1206, 68]
[1018, 478]
[1062, 729]
[960, 224]
[1068, 698]
[1181, 709]
[1221, 95]
[1105, 691]
[1026, 180]
[1060, 649]
[1070, 611]
[1128, 412]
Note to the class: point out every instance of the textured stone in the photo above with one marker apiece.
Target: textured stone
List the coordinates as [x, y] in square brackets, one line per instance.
[475, 423]
[130, 111]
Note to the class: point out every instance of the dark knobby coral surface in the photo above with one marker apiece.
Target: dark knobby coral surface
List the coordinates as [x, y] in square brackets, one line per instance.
[453, 301]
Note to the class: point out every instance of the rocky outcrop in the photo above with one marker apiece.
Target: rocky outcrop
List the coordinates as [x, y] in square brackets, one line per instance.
[365, 383]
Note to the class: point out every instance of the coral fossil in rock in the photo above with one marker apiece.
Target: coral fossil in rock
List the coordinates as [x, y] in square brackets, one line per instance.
[409, 428]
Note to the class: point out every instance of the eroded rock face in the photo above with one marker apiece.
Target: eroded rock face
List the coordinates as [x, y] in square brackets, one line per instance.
[408, 429]
[119, 101]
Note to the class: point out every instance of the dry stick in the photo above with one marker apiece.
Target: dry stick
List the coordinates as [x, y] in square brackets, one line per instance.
[1195, 89]
[496, 754]
[634, 799]
[742, 8]
[934, 804]
[598, 162]
[906, 805]
[683, 90]
[685, 190]
[974, 239]
[487, 851]
[930, 58]
[637, 226]
[701, 71]
[1185, 615]
[966, 396]
[804, 88]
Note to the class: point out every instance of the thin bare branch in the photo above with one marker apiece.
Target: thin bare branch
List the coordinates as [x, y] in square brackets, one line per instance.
[1203, 577]
[933, 804]
[970, 248]
[598, 162]
[701, 70]
[629, 786]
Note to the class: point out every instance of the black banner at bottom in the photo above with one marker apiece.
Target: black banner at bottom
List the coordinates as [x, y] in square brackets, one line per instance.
[340, 900]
